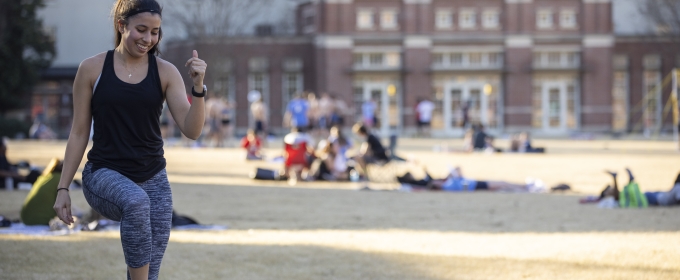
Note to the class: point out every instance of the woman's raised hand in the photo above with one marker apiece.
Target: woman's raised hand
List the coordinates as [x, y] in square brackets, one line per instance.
[196, 70]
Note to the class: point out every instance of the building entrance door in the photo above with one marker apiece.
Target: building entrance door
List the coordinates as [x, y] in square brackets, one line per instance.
[554, 107]
[464, 104]
[387, 111]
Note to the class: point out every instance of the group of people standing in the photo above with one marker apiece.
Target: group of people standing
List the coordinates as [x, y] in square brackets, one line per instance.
[315, 114]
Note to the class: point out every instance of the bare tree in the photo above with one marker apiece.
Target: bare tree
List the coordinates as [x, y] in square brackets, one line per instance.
[200, 19]
[662, 15]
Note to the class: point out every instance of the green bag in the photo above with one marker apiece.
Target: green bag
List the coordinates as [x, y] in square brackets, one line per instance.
[632, 197]
[38, 206]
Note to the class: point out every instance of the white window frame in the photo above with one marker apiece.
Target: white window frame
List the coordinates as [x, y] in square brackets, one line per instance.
[309, 12]
[466, 22]
[285, 86]
[392, 59]
[224, 85]
[362, 22]
[385, 22]
[546, 22]
[485, 60]
[264, 92]
[568, 19]
[491, 19]
[648, 83]
[444, 19]
[621, 87]
[651, 62]
[388, 60]
[565, 59]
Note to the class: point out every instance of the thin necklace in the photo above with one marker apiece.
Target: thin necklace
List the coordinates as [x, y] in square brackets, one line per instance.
[125, 65]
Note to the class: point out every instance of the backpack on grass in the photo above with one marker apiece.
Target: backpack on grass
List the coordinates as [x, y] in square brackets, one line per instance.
[632, 197]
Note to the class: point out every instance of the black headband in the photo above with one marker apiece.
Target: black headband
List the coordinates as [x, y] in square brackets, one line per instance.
[143, 10]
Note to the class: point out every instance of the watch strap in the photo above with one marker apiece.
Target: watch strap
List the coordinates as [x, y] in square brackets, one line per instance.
[202, 94]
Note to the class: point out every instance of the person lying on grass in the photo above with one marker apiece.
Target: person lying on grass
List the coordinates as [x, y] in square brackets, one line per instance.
[456, 182]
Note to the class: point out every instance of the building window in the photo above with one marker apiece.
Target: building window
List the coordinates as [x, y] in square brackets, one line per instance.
[292, 84]
[491, 19]
[620, 62]
[308, 19]
[568, 19]
[620, 101]
[494, 58]
[651, 62]
[258, 64]
[465, 60]
[259, 82]
[444, 19]
[438, 59]
[475, 59]
[365, 19]
[224, 86]
[544, 19]
[377, 60]
[651, 100]
[388, 19]
[358, 59]
[556, 59]
[392, 59]
[468, 19]
[457, 59]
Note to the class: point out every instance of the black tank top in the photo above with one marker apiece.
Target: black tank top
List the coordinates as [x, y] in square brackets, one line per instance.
[127, 136]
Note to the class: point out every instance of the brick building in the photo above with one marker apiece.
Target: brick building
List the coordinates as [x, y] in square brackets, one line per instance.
[519, 64]
[549, 66]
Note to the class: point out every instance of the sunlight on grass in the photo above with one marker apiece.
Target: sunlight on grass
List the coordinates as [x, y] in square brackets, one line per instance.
[656, 250]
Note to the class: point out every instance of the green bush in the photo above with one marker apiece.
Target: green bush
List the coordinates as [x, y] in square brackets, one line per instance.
[12, 127]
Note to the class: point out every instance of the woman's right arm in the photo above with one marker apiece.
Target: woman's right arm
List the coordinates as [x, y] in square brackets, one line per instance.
[78, 138]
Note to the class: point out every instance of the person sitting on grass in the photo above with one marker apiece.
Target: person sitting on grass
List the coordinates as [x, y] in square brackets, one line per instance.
[252, 143]
[330, 164]
[298, 145]
[455, 182]
[8, 170]
[371, 151]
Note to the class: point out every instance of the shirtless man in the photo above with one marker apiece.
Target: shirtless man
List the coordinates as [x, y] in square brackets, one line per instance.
[313, 113]
[340, 112]
[326, 110]
[219, 114]
[259, 112]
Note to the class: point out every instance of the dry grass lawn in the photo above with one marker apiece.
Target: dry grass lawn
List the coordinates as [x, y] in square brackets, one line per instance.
[332, 231]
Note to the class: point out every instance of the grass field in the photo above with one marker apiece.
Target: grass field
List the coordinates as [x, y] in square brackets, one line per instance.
[332, 231]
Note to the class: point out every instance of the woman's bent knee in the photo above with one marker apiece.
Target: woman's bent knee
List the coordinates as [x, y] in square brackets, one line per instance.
[138, 204]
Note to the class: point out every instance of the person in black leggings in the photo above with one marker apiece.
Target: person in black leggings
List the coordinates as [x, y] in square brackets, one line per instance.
[123, 91]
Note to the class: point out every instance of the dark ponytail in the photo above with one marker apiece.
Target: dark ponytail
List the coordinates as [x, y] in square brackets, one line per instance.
[124, 9]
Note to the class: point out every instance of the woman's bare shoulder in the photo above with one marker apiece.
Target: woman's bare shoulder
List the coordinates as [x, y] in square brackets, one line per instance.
[165, 66]
[93, 65]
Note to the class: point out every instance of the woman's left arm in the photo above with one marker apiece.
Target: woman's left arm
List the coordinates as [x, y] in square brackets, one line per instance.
[189, 117]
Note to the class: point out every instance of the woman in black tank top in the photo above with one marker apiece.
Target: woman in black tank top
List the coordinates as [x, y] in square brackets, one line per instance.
[123, 91]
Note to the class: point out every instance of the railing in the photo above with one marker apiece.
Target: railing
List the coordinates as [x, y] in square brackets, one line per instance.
[557, 60]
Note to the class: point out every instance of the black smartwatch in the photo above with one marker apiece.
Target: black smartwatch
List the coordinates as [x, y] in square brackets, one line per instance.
[202, 94]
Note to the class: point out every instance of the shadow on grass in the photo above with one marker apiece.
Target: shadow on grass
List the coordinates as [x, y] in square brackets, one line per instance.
[297, 208]
[102, 258]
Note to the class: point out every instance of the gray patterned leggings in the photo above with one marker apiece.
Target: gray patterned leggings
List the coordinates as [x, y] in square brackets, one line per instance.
[143, 209]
